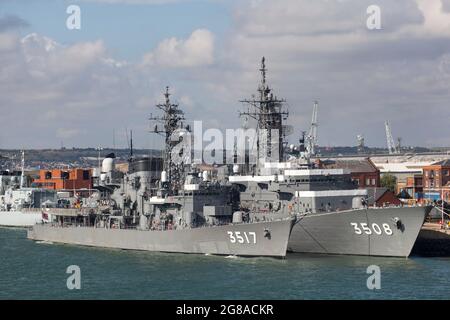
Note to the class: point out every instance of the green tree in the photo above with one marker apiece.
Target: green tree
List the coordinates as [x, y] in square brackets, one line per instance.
[388, 181]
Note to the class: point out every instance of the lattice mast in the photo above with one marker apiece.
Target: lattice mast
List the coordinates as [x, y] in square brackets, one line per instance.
[170, 126]
[269, 113]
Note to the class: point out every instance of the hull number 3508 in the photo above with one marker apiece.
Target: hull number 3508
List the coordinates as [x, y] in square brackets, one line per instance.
[362, 227]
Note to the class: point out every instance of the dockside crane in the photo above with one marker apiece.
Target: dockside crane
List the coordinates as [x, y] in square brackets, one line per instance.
[311, 138]
[392, 148]
[361, 144]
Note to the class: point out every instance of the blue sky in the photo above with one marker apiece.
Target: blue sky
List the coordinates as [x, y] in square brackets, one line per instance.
[128, 30]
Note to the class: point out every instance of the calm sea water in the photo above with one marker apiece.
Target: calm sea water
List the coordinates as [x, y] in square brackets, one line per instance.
[30, 270]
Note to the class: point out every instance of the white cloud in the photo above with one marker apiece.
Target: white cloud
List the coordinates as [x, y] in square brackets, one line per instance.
[150, 2]
[314, 50]
[46, 87]
[196, 50]
[323, 50]
[8, 42]
[46, 56]
[437, 22]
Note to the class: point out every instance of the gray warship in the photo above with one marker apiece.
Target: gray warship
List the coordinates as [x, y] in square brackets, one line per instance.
[333, 214]
[164, 205]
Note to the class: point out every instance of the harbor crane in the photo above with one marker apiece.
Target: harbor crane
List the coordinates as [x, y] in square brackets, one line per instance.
[361, 144]
[311, 138]
[392, 148]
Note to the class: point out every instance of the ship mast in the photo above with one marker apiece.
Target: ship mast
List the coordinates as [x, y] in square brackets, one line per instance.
[22, 176]
[269, 113]
[171, 127]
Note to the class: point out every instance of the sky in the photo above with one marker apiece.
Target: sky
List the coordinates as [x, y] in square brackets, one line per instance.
[86, 87]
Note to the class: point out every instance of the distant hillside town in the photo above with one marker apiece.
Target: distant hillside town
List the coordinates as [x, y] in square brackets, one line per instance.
[417, 174]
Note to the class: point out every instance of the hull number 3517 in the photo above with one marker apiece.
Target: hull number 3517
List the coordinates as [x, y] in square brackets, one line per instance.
[362, 227]
[242, 237]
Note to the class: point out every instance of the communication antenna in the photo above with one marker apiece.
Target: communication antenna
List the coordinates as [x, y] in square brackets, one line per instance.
[114, 138]
[22, 176]
[131, 144]
[127, 138]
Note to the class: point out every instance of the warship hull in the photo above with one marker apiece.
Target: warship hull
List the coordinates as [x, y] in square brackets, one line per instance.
[20, 218]
[246, 239]
[369, 232]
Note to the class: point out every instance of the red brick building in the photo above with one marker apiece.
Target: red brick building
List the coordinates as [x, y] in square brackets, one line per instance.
[436, 180]
[414, 186]
[60, 179]
[363, 171]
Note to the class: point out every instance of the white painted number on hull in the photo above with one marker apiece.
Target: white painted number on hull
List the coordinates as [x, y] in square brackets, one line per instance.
[362, 227]
[242, 237]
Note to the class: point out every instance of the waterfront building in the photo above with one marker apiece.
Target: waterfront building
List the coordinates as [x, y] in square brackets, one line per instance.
[63, 179]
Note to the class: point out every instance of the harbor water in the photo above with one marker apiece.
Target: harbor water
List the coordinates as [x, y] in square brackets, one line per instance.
[31, 270]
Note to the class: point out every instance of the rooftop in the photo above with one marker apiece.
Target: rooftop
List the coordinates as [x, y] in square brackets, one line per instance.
[353, 165]
[374, 194]
[442, 163]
